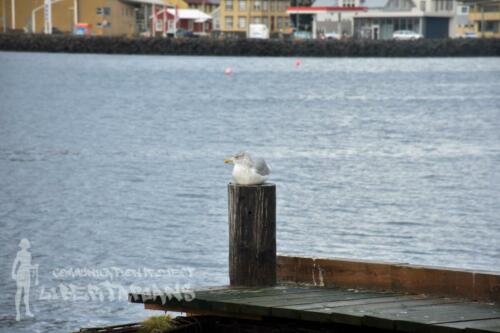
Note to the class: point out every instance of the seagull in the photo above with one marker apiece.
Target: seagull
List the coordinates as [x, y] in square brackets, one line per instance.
[248, 170]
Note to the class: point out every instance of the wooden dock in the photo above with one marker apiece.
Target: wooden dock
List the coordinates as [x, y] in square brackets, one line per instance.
[358, 295]
[363, 309]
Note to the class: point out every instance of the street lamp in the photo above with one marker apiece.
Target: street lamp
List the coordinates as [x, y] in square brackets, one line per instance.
[48, 25]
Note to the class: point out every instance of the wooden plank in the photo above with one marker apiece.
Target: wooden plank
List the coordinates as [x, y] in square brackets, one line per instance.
[282, 302]
[486, 325]
[410, 318]
[199, 312]
[487, 287]
[397, 277]
[432, 280]
[371, 314]
[327, 272]
[263, 305]
[298, 311]
[407, 313]
[361, 301]
[236, 293]
[261, 292]
[310, 297]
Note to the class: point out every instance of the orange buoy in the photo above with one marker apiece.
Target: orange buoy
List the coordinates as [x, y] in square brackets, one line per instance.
[298, 63]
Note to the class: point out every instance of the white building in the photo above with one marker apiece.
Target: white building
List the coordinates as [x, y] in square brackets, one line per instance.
[430, 18]
[326, 17]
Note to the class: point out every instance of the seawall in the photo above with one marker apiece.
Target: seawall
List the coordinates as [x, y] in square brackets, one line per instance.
[244, 47]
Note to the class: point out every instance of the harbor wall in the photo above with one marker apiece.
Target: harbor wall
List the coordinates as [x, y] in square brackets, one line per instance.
[245, 47]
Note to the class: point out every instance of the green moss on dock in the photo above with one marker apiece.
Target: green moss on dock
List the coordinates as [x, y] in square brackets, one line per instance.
[158, 324]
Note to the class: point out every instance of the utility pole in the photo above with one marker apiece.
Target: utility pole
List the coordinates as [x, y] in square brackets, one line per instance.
[4, 15]
[75, 12]
[13, 13]
[48, 17]
[483, 25]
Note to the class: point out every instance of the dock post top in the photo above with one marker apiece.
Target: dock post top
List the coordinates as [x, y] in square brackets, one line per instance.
[231, 184]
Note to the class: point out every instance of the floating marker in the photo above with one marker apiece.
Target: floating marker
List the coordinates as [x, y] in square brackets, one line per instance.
[228, 71]
[298, 63]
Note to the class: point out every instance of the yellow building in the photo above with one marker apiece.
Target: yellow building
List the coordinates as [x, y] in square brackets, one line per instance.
[106, 17]
[236, 15]
[206, 6]
[486, 17]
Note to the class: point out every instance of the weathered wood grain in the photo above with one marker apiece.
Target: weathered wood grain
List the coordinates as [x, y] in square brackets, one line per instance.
[252, 235]
[396, 277]
[399, 312]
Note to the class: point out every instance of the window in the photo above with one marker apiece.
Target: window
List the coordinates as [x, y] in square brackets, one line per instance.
[228, 20]
[265, 20]
[265, 5]
[229, 6]
[492, 26]
[242, 5]
[256, 20]
[449, 4]
[271, 5]
[422, 5]
[242, 22]
[104, 24]
[126, 11]
[257, 4]
[103, 11]
[489, 9]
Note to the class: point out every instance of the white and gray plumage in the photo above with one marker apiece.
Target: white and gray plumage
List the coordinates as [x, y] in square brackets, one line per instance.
[248, 170]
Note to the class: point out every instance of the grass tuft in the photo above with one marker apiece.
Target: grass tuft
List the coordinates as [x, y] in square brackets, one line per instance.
[159, 324]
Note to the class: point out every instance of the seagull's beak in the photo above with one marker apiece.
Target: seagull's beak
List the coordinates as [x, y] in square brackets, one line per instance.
[228, 160]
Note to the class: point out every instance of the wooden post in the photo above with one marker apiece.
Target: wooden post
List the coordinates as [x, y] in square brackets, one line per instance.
[252, 235]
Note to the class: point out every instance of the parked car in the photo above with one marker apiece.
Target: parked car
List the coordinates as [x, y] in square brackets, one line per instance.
[470, 35]
[185, 33]
[332, 35]
[302, 35]
[406, 35]
[258, 31]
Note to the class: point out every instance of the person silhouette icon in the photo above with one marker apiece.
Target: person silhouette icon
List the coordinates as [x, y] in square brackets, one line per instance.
[21, 272]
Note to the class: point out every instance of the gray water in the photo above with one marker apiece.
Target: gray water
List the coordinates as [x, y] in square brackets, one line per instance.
[116, 162]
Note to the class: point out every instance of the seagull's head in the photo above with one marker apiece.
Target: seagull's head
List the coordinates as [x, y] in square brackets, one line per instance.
[242, 158]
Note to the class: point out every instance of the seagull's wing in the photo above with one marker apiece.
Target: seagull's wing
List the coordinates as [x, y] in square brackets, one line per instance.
[261, 167]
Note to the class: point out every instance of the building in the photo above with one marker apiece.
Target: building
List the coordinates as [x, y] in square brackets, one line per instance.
[237, 15]
[430, 18]
[325, 18]
[186, 21]
[485, 17]
[464, 26]
[105, 17]
[206, 6]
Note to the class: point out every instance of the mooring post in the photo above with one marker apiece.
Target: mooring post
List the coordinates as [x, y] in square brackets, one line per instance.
[252, 235]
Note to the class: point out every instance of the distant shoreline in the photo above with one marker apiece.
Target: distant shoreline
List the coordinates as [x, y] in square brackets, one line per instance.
[244, 47]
